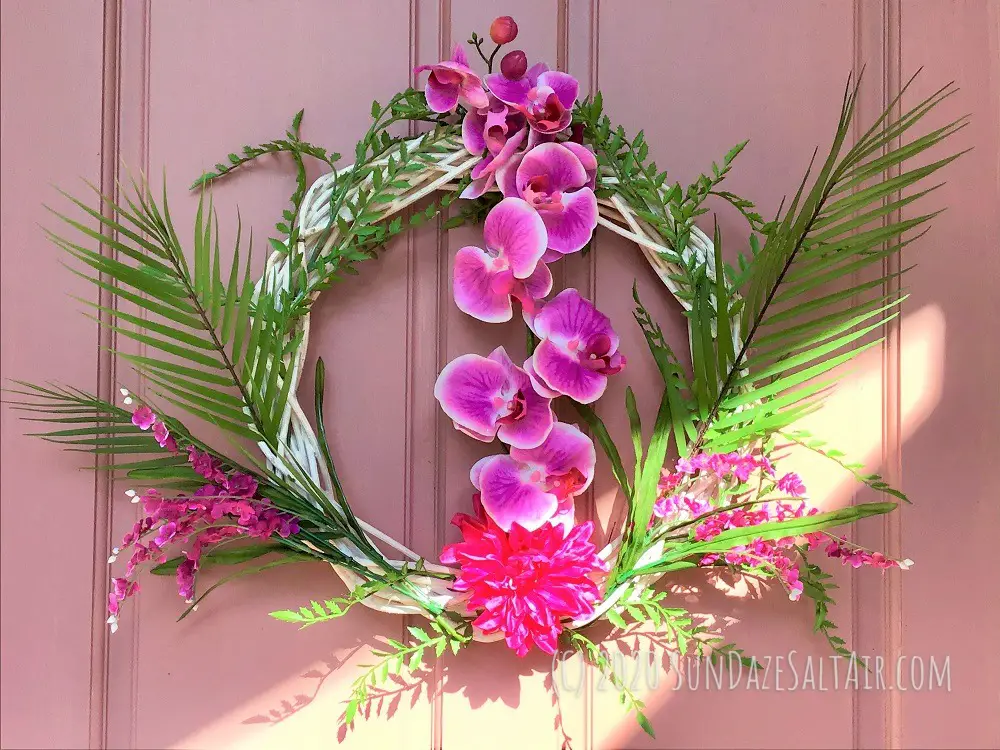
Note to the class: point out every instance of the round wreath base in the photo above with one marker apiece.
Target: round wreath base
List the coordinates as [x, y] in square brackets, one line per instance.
[444, 168]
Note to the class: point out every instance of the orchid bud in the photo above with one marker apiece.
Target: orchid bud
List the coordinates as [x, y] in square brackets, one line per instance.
[503, 30]
[514, 64]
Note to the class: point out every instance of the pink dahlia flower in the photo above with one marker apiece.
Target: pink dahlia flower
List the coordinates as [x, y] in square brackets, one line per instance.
[510, 266]
[453, 82]
[532, 486]
[525, 582]
[578, 349]
[491, 396]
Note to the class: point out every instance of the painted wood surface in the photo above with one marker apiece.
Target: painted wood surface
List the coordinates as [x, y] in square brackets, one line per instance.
[92, 88]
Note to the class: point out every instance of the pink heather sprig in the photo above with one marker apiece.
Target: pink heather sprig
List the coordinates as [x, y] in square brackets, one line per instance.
[725, 465]
[144, 418]
[852, 554]
[226, 508]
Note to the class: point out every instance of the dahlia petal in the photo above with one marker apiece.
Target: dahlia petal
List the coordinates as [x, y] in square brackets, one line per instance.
[567, 88]
[509, 499]
[516, 229]
[555, 162]
[473, 282]
[562, 372]
[570, 230]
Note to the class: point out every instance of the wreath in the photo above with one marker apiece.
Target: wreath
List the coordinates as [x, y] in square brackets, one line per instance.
[541, 169]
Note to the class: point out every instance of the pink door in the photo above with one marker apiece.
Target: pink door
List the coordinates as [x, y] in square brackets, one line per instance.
[89, 86]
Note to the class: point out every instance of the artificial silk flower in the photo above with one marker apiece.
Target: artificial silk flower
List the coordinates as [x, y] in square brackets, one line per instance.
[453, 82]
[555, 182]
[578, 348]
[546, 97]
[143, 417]
[484, 173]
[510, 266]
[524, 583]
[490, 396]
[532, 486]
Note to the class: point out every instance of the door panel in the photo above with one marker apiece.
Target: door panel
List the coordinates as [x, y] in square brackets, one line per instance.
[181, 84]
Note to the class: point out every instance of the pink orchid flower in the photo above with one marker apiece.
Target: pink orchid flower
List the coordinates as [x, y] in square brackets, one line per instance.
[453, 82]
[553, 179]
[532, 486]
[578, 349]
[490, 396]
[485, 280]
[499, 131]
[546, 97]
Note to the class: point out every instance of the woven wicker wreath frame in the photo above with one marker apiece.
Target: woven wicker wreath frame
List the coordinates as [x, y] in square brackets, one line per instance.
[442, 169]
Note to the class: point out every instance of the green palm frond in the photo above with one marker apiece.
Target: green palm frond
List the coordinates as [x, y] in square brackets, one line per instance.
[217, 344]
[786, 340]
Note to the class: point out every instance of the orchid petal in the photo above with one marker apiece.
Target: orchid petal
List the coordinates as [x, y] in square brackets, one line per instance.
[474, 283]
[569, 316]
[473, 127]
[556, 164]
[565, 449]
[513, 92]
[536, 382]
[567, 88]
[563, 372]
[570, 230]
[440, 97]
[458, 55]
[535, 423]
[468, 388]
[539, 283]
[587, 158]
[515, 229]
[509, 497]
[507, 176]
[477, 187]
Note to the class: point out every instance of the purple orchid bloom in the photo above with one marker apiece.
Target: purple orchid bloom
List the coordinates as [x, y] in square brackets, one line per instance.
[530, 487]
[484, 174]
[546, 97]
[553, 179]
[499, 131]
[453, 82]
[578, 348]
[485, 280]
[490, 396]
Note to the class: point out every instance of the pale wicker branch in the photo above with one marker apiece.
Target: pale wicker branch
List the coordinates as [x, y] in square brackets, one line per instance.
[442, 170]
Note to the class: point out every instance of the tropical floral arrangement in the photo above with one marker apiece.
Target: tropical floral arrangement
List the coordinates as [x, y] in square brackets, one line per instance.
[540, 168]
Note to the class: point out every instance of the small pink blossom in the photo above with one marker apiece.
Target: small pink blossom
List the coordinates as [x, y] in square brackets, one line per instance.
[792, 484]
[143, 417]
